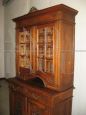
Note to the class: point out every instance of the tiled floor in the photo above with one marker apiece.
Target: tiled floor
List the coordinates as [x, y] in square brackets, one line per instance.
[4, 98]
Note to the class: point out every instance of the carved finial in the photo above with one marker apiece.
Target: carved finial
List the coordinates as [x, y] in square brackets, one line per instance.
[33, 9]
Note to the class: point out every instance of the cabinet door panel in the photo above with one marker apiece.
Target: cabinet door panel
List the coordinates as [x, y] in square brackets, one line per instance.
[45, 35]
[36, 109]
[19, 104]
[24, 52]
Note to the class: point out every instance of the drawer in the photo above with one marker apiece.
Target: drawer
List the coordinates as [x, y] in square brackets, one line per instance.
[38, 97]
[32, 94]
[36, 110]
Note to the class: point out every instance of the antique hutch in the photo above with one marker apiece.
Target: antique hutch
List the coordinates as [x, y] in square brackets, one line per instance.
[44, 62]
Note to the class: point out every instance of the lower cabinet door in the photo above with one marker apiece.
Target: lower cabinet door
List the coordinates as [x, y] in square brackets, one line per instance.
[19, 104]
[36, 109]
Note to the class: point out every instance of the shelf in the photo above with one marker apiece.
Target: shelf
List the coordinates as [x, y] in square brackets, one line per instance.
[42, 43]
[28, 56]
[49, 58]
[41, 34]
[24, 43]
[22, 55]
[41, 57]
[49, 34]
[49, 46]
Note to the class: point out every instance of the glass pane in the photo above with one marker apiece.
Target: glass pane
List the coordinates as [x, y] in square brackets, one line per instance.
[25, 47]
[45, 49]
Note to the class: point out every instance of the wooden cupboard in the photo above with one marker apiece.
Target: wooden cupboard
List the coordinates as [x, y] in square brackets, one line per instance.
[29, 99]
[45, 45]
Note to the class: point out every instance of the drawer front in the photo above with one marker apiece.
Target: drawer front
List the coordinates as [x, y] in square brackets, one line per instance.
[38, 97]
[31, 94]
[34, 108]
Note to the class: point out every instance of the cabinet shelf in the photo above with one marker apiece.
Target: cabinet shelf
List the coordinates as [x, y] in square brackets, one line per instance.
[24, 55]
[47, 43]
[49, 58]
[49, 34]
[41, 35]
[49, 46]
[24, 43]
[41, 43]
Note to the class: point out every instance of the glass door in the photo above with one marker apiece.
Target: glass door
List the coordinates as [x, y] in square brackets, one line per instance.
[45, 37]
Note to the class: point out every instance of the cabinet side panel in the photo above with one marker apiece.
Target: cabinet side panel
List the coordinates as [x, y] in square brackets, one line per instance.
[67, 49]
[63, 108]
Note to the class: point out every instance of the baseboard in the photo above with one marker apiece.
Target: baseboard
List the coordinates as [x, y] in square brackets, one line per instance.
[2, 79]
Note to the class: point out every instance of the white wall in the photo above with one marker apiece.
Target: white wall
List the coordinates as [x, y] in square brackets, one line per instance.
[79, 100]
[1, 40]
[13, 9]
